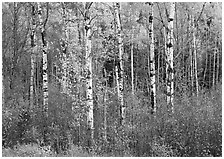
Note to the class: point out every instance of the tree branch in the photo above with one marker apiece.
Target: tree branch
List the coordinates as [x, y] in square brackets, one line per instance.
[47, 15]
[201, 12]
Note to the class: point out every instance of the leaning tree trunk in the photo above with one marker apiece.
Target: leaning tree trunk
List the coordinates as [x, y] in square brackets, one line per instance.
[121, 69]
[44, 51]
[89, 76]
[169, 68]
[33, 26]
[152, 61]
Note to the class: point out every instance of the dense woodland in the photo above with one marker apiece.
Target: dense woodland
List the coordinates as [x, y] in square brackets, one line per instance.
[111, 79]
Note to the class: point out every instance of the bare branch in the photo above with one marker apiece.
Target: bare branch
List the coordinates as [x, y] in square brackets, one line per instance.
[201, 12]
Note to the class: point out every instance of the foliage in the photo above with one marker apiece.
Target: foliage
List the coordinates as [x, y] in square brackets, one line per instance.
[195, 129]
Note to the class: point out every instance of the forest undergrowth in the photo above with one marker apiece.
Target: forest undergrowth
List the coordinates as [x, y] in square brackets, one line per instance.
[195, 129]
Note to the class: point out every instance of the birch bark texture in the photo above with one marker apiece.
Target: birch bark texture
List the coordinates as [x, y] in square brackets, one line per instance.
[152, 61]
[88, 67]
[64, 46]
[32, 60]
[120, 71]
[44, 52]
[169, 67]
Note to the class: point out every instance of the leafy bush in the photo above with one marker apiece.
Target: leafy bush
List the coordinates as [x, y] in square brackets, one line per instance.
[195, 128]
[27, 151]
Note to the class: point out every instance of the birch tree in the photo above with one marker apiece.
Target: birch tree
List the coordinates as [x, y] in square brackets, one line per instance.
[195, 57]
[64, 46]
[44, 52]
[88, 67]
[33, 26]
[169, 67]
[120, 70]
[152, 61]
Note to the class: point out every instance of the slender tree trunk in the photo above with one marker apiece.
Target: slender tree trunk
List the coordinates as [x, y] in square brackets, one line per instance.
[214, 73]
[217, 70]
[64, 46]
[210, 65]
[15, 27]
[105, 108]
[206, 58]
[170, 71]
[152, 61]
[121, 69]
[37, 83]
[165, 50]
[89, 76]
[195, 58]
[132, 66]
[191, 59]
[45, 62]
[32, 58]
[158, 63]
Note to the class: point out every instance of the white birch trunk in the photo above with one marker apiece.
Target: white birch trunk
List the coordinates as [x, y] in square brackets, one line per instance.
[195, 59]
[32, 58]
[89, 77]
[44, 51]
[152, 61]
[170, 71]
[121, 69]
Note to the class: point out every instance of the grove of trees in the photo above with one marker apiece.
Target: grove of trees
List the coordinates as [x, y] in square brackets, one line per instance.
[112, 79]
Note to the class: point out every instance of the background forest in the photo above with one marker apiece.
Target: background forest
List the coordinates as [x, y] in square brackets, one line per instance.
[111, 79]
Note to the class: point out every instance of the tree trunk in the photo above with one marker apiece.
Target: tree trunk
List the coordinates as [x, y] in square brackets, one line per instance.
[33, 26]
[14, 59]
[152, 62]
[195, 57]
[206, 58]
[158, 63]
[64, 46]
[89, 76]
[105, 108]
[165, 50]
[169, 68]
[214, 59]
[32, 61]
[45, 62]
[217, 70]
[132, 66]
[121, 69]
[191, 60]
